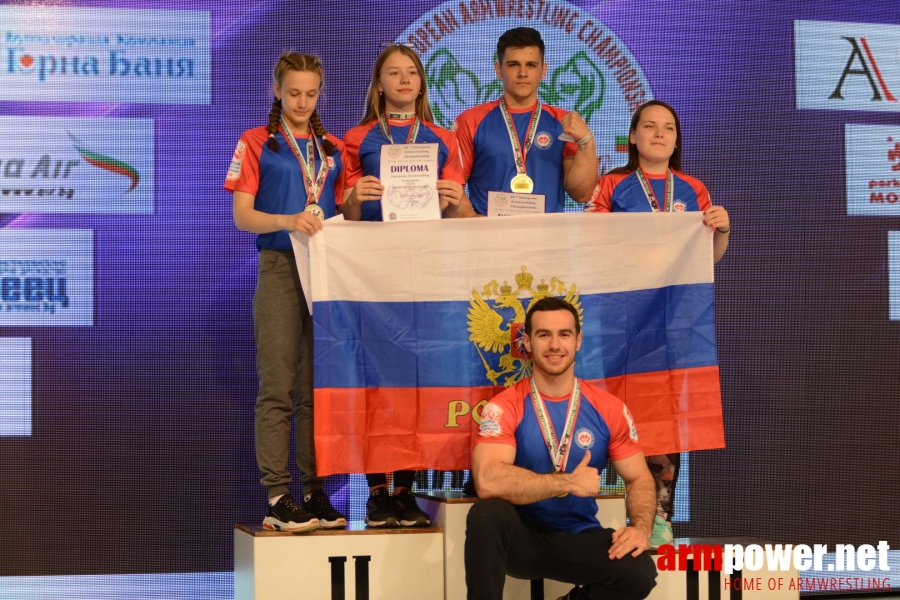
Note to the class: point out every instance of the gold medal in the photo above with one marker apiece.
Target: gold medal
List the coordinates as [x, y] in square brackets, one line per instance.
[521, 184]
[315, 210]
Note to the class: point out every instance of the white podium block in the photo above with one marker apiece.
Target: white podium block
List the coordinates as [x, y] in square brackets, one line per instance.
[394, 563]
[448, 510]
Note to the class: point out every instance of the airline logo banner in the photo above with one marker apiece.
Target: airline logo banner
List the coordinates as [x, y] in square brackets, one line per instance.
[104, 55]
[415, 331]
[74, 165]
[847, 66]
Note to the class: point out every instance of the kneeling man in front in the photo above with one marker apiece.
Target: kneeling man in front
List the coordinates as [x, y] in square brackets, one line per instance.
[536, 463]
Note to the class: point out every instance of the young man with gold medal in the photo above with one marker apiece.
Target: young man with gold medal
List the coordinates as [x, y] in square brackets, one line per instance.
[516, 143]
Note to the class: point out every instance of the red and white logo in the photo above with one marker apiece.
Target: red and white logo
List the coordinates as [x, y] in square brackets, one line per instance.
[543, 140]
[331, 163]
[490, 420]
[491, 412]
[237, 159]
[679, 206]
[584, 438]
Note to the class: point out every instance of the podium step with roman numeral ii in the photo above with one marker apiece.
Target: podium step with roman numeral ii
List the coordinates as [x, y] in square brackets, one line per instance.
[399, 563]
[354, 564]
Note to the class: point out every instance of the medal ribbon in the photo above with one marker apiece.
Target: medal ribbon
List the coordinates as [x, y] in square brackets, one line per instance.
[314, 185]
[413, 129]
[520, 153]
[651, 197]
[559, 451]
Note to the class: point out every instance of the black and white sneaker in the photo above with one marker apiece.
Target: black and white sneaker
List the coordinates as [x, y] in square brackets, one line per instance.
[287, 515]
[409, 512]
[319, 505]
[380, 510]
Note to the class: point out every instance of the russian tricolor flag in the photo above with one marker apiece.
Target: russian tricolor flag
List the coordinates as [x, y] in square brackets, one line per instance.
[417, 324]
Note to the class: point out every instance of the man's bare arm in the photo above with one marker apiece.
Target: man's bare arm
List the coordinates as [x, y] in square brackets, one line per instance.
[580, 175]
[496, 476]
[640, 502]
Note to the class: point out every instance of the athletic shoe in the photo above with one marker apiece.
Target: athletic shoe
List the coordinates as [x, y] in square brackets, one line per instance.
[319, 505]
[380, 510]
[409, 512]
[287, 515]
[662, 533]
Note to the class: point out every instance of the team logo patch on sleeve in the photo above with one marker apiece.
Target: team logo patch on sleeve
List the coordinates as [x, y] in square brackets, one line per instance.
[632, 430]
[490, 420]
[234, 170]
[584, 438]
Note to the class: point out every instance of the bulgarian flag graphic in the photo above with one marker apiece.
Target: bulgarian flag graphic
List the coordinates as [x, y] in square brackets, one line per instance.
[621, 143]
[107, 163]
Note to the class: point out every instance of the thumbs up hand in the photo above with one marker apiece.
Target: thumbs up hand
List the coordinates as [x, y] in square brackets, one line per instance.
[585, 479]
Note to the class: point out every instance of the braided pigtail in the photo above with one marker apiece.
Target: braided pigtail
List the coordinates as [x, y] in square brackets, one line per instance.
[272, 126]
[320, 131]
[294, 61]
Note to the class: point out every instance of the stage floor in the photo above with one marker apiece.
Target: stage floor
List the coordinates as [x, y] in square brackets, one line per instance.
[220, 586]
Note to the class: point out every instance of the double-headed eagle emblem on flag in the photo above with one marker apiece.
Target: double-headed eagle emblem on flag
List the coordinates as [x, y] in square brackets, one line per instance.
[497, 323]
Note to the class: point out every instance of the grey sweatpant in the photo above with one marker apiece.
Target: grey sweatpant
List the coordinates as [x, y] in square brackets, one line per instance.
[284, 365]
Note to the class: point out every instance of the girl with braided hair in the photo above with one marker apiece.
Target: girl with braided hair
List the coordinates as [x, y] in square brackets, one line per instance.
[286, 176]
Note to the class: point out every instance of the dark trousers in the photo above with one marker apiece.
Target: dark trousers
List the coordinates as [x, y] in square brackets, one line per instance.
[401, 479]
[500, 541]
[284, 365]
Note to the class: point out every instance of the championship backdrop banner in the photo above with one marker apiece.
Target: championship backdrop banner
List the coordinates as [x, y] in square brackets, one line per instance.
[417, 328]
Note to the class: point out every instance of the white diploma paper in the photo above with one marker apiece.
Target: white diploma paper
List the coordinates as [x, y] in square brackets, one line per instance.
[505, 204]
[409, 176]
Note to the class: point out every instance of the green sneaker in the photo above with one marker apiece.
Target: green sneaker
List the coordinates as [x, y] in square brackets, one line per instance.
[662, 533]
